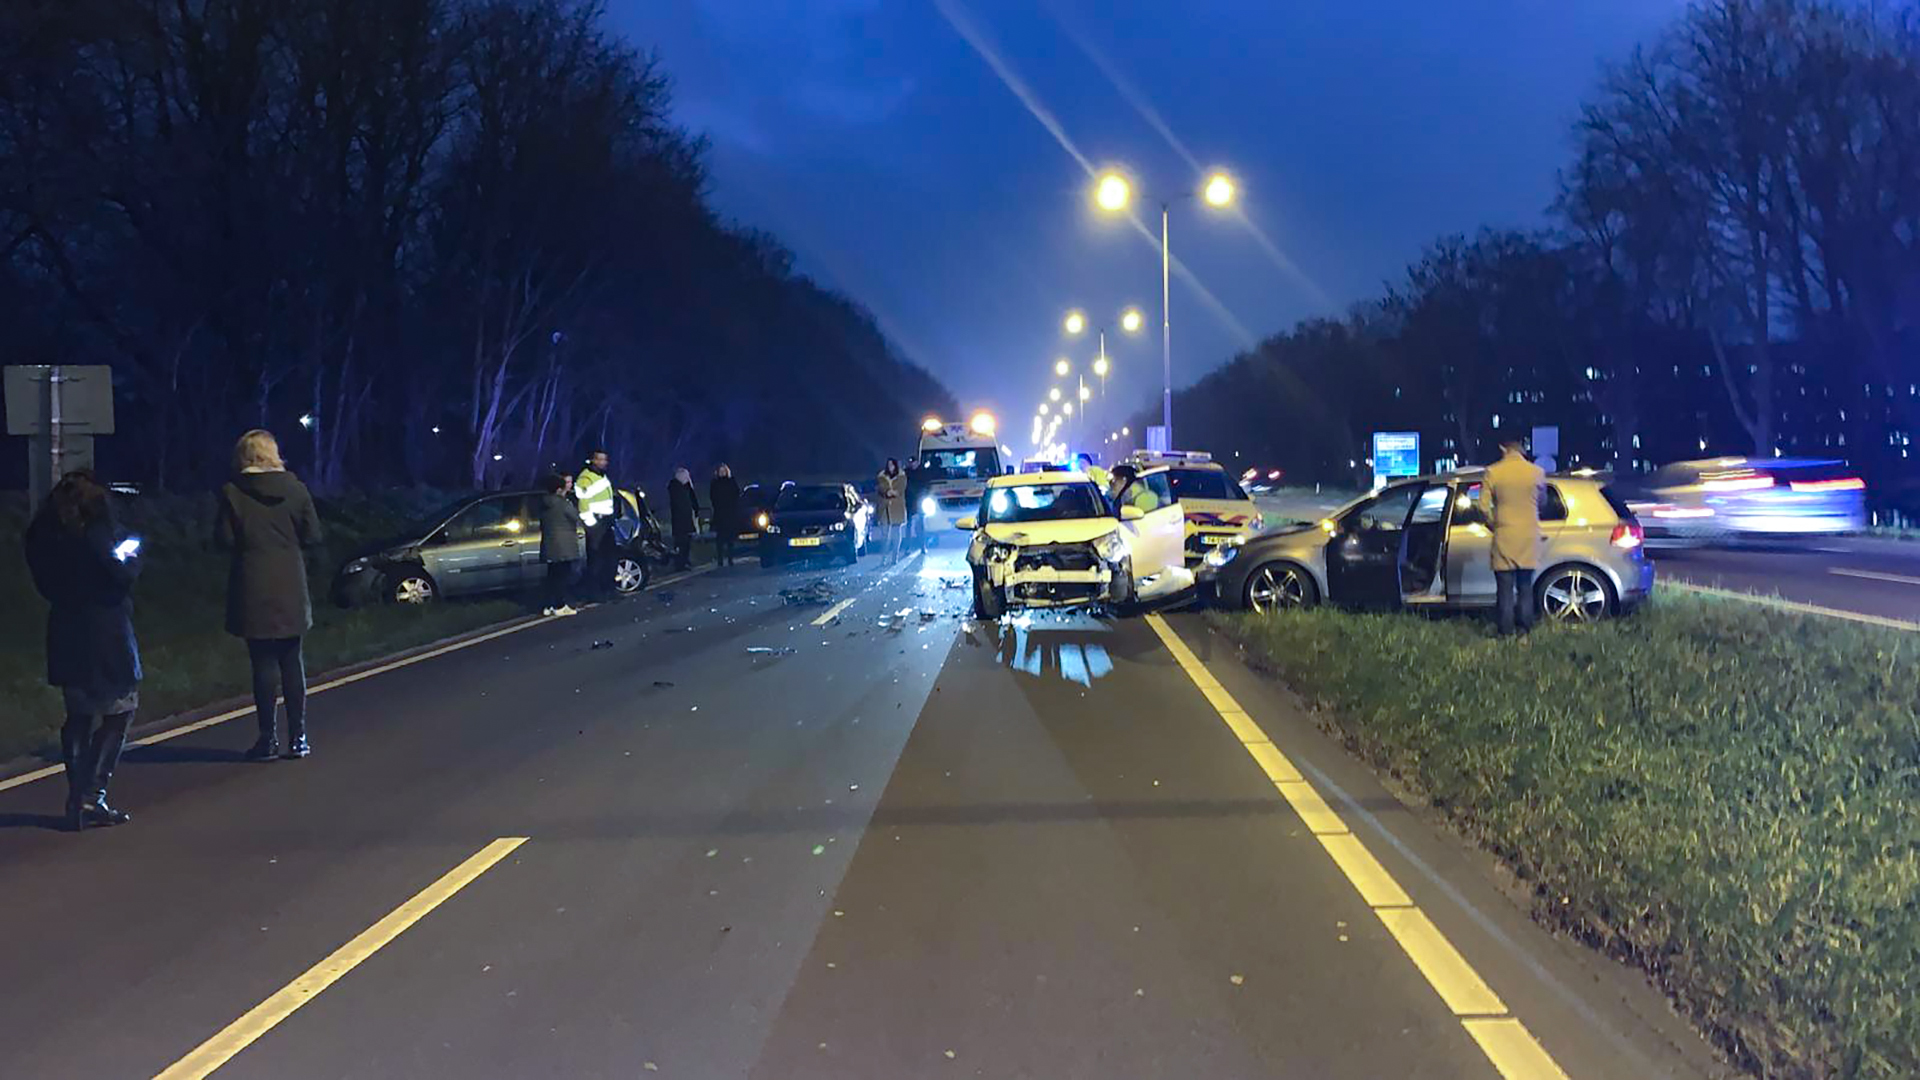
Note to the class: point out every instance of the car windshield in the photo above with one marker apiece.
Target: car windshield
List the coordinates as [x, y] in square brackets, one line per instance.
[974, 464]
[1044, 502]
[1204, 484]
[811, 498]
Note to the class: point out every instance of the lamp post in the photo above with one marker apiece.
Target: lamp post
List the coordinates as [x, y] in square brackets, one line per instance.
[1113, 192]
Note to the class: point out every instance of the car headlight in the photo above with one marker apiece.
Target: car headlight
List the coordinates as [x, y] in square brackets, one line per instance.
[999, 552]
[839, 526]
[773, 530]
[356, 566]
[1224, 554]
[928, 507]
[761, 521]
[1111, 548]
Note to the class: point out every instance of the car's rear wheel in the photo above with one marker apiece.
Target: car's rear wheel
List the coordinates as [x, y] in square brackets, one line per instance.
[988, 602]
[411, 587]
[1279, 586]
[1574, 594]
[629, 574]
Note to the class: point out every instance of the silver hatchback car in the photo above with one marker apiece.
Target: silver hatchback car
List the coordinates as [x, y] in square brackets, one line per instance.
[1423, 542]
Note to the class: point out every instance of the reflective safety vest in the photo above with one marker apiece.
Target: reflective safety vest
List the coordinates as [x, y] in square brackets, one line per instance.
[595, 494]
[1099, 476]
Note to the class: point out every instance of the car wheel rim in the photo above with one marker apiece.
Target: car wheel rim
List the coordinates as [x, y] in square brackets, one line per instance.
[1574, 596]
[413, 590]
[627, 575]
[1276, 589]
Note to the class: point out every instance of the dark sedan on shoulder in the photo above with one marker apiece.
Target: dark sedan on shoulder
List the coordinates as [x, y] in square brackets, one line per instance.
[485, 544]
[810, 520]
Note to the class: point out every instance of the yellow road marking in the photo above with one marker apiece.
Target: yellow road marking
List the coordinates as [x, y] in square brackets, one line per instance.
[259, 1020]
[833, 612]
[1503, 1038]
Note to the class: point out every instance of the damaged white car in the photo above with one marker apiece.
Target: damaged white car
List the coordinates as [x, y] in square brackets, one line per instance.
[1054, 539]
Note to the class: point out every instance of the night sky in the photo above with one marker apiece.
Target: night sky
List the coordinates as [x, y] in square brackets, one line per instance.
[876, 140]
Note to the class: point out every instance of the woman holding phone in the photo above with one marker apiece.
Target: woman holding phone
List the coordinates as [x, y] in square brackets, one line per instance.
[268, 521]
[85, 568]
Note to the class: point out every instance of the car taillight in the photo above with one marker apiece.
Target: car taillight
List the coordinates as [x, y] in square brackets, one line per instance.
[1849, 483]
[1628, 535]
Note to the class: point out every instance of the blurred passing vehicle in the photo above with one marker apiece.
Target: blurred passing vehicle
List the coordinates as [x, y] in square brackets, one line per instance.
[1424, 542]
[1734, 498]
[809, 520]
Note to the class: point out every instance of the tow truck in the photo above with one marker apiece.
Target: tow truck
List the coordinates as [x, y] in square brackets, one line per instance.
[956, 461]
[1218, 509]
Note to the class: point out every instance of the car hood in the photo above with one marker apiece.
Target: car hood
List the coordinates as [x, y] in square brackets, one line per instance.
[793, 519]
[1030, 533]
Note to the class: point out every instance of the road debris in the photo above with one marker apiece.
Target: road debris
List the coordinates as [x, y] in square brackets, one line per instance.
[662, 684]
[813, 592]
[598, 645]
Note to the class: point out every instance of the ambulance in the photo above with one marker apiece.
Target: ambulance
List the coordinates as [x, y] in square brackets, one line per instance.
[956, 461]
[1217, 507]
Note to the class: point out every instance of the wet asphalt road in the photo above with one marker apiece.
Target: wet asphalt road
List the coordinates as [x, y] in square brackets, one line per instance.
[912, 846]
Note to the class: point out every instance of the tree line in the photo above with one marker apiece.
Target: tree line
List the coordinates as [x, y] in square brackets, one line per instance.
[1732, 265]
[425, 241]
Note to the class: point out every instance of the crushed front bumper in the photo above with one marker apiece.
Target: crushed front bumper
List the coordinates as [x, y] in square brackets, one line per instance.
[1055, 576]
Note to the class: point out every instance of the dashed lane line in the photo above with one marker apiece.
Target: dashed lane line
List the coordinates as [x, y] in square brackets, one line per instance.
[1874, 575]
[1482, 1014]
[262, 1018]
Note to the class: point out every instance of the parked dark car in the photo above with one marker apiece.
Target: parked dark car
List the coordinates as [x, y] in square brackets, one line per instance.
[809, 520]
[486, 544]
[755, 502]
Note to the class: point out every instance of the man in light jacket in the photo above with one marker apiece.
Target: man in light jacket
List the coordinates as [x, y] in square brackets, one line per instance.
[1510, 497]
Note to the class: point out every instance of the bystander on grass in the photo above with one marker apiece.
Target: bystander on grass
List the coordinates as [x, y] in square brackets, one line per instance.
[180, 610]
[1725, 795]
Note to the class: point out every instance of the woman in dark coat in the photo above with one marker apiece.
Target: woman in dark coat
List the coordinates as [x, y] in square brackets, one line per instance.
[268, 521]
[683, 504]
[723, 495]
[85, 568]
[561, 541]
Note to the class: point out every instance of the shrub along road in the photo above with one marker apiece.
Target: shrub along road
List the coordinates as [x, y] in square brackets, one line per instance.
[909, 845]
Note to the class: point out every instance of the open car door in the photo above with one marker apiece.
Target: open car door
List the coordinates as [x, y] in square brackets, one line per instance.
[1364, 553]
[1158, 536]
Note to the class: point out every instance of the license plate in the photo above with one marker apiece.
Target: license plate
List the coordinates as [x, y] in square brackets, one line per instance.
[1217, 540]
[805, 541]
[748, 536]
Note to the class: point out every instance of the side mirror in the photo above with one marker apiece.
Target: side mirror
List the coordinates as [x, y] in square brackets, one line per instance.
[1131, 512]
[967, 524]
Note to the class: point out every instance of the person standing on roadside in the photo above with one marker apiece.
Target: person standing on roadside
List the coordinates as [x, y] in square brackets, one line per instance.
[268, 523]
[560, 545]
[891, 490]
[1510, 497]
[916, 520]
[723, 497]
[683, 505]
[593, 492]
[85, 568]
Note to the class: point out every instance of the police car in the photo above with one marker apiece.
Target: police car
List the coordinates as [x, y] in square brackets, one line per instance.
[1218, 509]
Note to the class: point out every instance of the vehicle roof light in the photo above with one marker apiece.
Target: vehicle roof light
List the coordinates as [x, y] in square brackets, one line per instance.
[982, 423]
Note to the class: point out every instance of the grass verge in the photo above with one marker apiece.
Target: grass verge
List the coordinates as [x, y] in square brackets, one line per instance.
[180, 609]
[1724, 795]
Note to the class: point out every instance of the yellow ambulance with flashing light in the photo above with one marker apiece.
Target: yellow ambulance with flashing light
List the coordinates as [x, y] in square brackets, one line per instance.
[1217, 507]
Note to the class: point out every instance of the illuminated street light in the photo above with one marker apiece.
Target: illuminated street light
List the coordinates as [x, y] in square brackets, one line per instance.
[1131, 320]
[1101, 367]
[1085, 392]
[1067, 409]
[1126, 431]
[1061, 367]
[1113, 192]
[1219, 191]
[1076, 323]
[307, 421]
[1043, 408]
[1053, 394]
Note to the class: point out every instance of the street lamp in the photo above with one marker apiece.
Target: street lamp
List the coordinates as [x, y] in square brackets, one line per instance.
[1131, 320]
[1100, 368]
[1113, 192]
[1061, 367]
[1043, 408]
[1053, 394]
[1075, 323]
[1067, 409]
